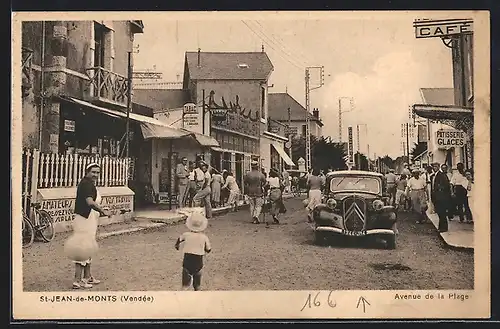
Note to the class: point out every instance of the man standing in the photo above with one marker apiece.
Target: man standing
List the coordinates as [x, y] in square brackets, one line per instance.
[182, 173]
[254, 183]
[390, 179]
[451, 202]
[286, 181]
[440, 195]
[204, 192]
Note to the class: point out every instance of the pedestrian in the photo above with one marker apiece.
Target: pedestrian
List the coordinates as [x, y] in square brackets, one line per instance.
[203, 195]
[451, 208]
[400, 193]
[224, 193]
[87, 212]
[470, 191]
[274, 186]
[314, 192]
[440, 195]
[191, 184]
[460, 184]
[406, 170]
[416, 190]
[286, 181]
[194, 245]
[216, 187]
[182, 174]
[254, 183]
[390, 179]
[264, 172]
[234, 191]
[428, 178]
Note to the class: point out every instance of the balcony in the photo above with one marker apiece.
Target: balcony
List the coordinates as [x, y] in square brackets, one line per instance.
[107, 88]
[26, 62]
[276, 127]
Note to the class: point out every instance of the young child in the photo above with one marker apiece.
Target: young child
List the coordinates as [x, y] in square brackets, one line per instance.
[195, 244]
[400, 192]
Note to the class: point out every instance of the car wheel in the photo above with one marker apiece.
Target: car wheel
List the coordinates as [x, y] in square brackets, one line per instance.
[319, 238]
[391, 242]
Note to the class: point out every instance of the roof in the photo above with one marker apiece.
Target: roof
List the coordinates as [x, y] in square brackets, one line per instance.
[438, 96]
[225, 66]
[278, 104]
[355, 173]
[162, 99]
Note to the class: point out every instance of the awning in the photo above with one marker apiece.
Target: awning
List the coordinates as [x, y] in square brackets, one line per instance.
[442, 112]
[420, 155]
[150, 127]
[203, 140]
[283, 154]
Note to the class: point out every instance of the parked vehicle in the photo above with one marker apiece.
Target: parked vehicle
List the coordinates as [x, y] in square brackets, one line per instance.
[355, 206]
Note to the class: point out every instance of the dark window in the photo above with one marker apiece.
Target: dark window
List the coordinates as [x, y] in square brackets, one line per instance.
[99, 37]
[263, 102]
[304, 130]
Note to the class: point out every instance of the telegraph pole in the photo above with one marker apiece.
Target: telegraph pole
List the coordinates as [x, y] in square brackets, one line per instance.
[290, 132]
[351, 107]
[308, 105]
[407, 143]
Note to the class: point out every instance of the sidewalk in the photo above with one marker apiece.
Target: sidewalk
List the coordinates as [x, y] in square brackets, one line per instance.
[459, 235]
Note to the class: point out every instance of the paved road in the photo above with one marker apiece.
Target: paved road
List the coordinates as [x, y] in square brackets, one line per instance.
[250, 257]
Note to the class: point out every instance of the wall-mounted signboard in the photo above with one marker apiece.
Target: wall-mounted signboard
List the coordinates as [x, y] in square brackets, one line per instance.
[448, 138]
[442, 28]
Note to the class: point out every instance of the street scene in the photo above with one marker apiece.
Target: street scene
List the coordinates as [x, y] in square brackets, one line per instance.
[251, 154]
[251, 257]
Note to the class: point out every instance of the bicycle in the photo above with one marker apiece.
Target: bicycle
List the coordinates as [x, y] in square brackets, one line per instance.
[28, 232]
[42, 224]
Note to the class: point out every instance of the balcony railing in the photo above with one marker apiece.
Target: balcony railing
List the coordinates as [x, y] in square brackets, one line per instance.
[107, 86]
[26, 67]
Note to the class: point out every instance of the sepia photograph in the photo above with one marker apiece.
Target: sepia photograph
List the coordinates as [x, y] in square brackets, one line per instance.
[290, 159]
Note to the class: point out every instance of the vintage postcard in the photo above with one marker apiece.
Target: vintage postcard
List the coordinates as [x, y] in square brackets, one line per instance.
[224, 165]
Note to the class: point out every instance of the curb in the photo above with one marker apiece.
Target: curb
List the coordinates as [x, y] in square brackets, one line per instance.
[443, 239]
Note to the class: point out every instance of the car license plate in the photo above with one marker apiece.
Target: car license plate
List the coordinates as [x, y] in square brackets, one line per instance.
[353, 233]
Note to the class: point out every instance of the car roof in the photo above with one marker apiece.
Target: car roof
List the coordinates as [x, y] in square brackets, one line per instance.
[356, 173]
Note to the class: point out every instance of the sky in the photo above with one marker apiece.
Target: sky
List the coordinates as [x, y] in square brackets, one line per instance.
[374, 58]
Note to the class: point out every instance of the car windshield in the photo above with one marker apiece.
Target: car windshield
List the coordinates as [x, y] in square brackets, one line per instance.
[353, 183]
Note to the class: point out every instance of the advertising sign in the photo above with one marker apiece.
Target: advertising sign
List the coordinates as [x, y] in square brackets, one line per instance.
[190, 115]
[69, 125]
[449, 138]
[350, 145]
[442, 28]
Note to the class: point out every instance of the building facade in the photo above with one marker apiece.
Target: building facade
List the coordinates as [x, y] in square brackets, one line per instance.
[286, 110]
[75, 89]
[450, 112]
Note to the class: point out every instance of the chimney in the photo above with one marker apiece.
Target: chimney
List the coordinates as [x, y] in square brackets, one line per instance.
[316, 113]
[199, 50]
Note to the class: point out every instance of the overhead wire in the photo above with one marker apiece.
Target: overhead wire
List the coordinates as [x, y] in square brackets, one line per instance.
[298, 54]
[270, 44]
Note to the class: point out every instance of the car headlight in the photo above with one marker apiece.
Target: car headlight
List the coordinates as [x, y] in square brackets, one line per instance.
[378, 204]
[331, 203]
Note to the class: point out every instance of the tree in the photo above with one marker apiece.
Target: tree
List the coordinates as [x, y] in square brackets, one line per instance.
[361, 161]
[324, 152]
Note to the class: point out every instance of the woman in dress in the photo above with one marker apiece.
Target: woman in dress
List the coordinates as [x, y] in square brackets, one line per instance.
[470, 189]
[216, 187]
[274, 186]
[87, 212]
[314, 184]
[234, 190]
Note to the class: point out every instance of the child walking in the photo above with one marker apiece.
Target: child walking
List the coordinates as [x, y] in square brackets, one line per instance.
[195, 244]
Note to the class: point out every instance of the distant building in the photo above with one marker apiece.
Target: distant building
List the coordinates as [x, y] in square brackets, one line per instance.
[279, 105]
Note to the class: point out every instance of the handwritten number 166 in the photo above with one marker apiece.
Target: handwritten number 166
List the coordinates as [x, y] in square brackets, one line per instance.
[315, 301]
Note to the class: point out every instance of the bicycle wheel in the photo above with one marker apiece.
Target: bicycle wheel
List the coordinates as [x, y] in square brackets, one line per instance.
[28, 232]
[46, 225]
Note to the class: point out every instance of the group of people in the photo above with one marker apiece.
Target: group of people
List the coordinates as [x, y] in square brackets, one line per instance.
[446, 194]
[198, 185]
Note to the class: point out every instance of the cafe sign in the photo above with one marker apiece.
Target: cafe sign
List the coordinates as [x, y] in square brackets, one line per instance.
[190, 115]
[443, 28]
[449, 138]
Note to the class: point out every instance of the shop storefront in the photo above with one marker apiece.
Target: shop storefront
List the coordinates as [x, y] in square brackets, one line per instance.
[272, 152]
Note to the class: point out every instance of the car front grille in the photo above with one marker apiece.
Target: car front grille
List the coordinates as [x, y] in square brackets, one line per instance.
[355, 212]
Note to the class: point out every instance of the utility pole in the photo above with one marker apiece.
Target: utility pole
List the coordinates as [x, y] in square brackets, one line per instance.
[308, 128]
[351, 107]
[407, 143]
[129, 103]
[290, 132]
